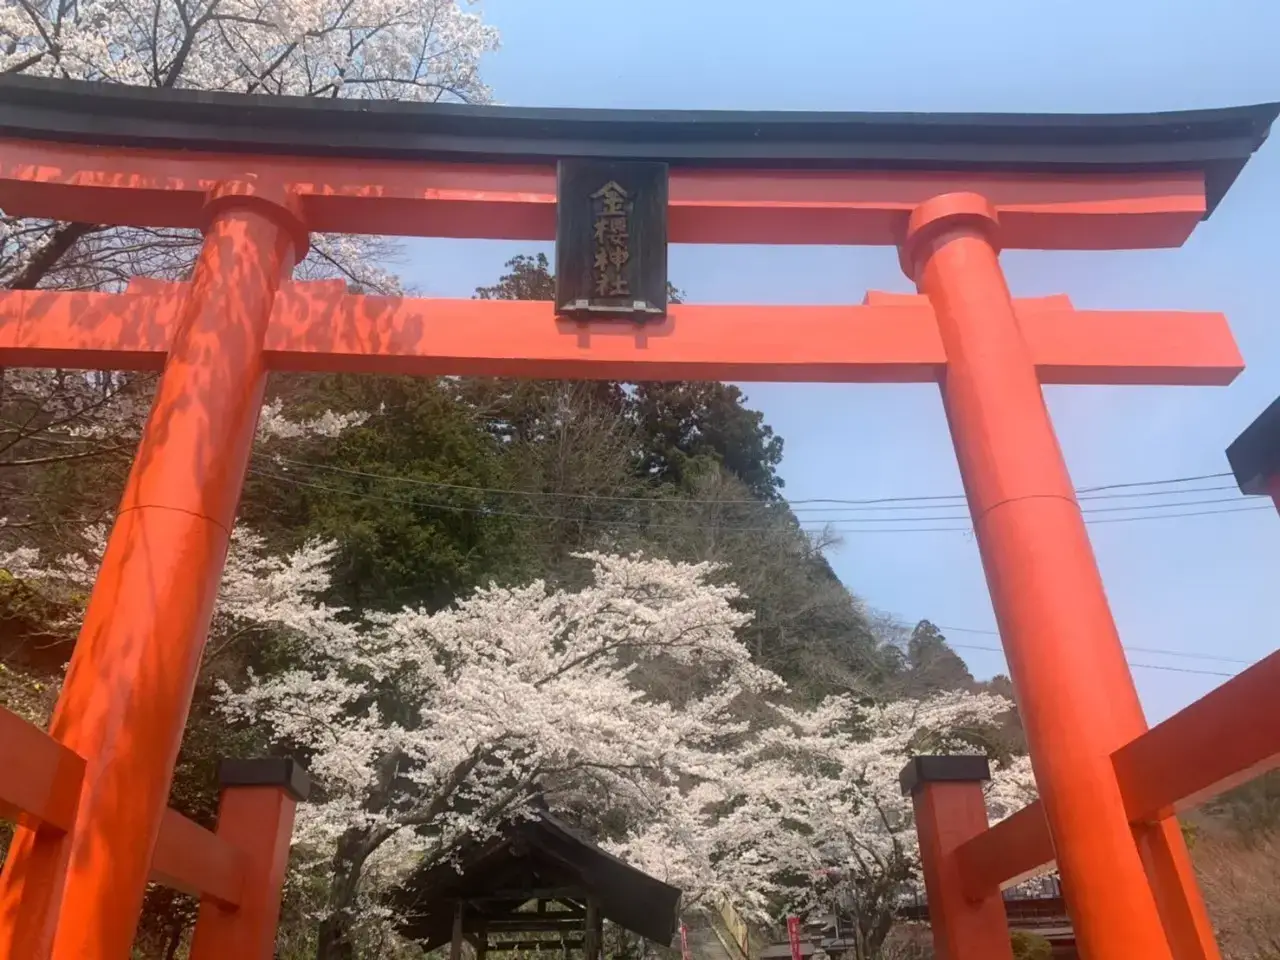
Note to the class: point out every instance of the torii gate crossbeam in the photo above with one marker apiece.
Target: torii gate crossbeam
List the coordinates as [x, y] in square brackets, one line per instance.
[258, 175]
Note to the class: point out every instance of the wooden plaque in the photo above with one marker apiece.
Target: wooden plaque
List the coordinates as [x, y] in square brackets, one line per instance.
[611, 239]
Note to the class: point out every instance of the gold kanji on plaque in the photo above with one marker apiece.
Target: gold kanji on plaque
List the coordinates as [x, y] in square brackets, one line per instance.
[612, 241]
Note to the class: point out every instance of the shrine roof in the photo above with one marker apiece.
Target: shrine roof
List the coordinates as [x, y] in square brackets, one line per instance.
[1215, 142]
[526, 857]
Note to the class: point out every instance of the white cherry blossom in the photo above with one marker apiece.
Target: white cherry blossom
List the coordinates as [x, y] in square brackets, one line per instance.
[421, 729]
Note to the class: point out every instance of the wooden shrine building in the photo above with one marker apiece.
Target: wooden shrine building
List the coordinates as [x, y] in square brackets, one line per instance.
[537, 877]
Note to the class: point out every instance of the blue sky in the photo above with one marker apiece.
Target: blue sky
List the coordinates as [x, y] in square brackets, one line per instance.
[1202, 585]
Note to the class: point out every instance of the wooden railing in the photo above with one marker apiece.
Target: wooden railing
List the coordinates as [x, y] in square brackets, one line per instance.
[237, 871]
[1222, 740]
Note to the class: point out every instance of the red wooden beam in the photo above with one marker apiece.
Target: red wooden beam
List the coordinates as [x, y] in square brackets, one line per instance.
[890, 338]
[40, 778]
[1224, 739]
[158, 188]
[196, 861]
[89, 331]
[1013, 849]
[886, 340]
[1115, 347]
[317, 329]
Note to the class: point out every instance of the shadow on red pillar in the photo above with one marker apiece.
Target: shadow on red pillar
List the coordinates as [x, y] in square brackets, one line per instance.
[255, 816]
[129, 685]
[950, 809]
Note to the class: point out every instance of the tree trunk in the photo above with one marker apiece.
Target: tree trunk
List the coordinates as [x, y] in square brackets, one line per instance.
[61, 238]
[335, 941]
[175, 941]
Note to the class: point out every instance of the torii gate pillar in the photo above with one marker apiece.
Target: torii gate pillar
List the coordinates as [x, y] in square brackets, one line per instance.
[129, 685]
[1076, 697]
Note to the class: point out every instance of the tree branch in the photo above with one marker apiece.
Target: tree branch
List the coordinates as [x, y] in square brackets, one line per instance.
[61, 239]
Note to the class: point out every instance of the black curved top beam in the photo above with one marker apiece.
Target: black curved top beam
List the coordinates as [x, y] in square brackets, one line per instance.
[1216, 143]
[1255, 454]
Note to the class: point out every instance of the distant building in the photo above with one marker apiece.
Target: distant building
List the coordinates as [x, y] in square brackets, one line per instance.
[1042, 912]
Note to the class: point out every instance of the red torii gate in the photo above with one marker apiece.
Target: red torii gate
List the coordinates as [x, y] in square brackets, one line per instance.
[257, 175]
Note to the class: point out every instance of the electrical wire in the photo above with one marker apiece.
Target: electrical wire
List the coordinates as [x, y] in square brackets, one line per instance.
[1156, 650]
[735, 528]
[1137, 666]
[826, 525]
[558, 518]
[1081, 498]
[728, 502]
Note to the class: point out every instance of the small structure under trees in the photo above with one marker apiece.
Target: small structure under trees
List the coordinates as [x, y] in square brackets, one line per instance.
[536, 876]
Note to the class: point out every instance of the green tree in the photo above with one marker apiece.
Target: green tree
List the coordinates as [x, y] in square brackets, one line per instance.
[690, 426]
[1029, 946]
[931, 665]
[403, 493]
[527, 278]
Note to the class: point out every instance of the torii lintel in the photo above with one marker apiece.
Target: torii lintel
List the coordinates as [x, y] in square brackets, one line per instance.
[890, 338]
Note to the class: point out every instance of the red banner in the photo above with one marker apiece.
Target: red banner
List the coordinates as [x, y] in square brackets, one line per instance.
[793, 934]
[684, 942]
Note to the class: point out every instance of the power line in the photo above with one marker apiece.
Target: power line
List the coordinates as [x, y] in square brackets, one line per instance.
[1155, 650]
[1172, 516]
[1138, 666]
[1088, 510]
[726, 502]
[1082, 498]
[1157, 493]
[685, 526]
[554, 518]
[1155, 483]
[517, 514]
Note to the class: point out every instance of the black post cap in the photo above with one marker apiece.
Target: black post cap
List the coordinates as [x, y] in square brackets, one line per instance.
[1255, 454]
[266, 772]
[962, 768]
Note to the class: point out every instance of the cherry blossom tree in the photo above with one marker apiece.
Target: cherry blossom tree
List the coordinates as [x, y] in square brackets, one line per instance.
[422, 730]
[259, 592]
[424, 50]
[426, 729]
[421, 50]
[813, 819]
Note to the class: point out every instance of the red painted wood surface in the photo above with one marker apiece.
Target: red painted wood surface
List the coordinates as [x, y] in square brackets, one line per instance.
[256, 823]
[1076, 697]
[197, 861]
[889, 339]
[40, 779]
[964, 924]
[157, 188]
